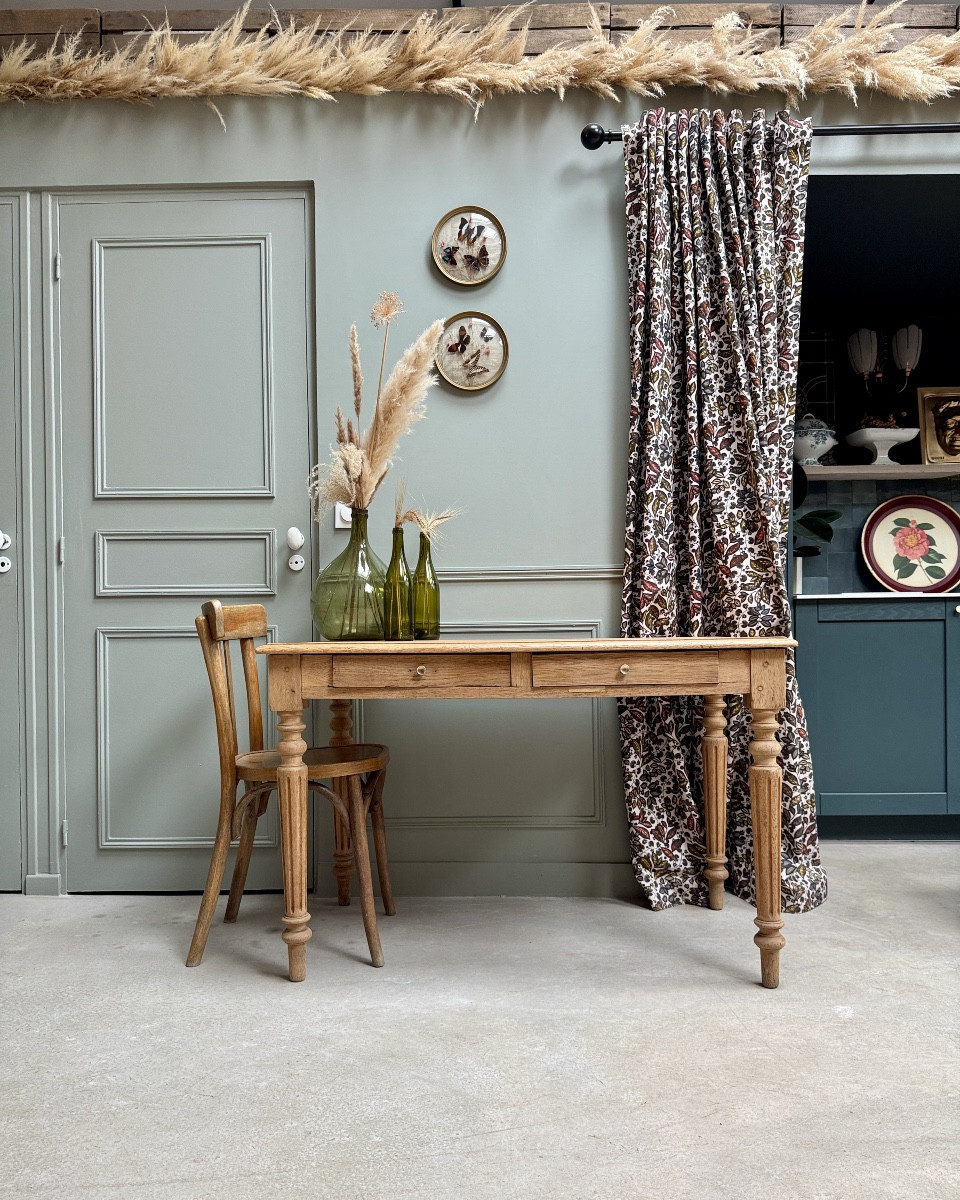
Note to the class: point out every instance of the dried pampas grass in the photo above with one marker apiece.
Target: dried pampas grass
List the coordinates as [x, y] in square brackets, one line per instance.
[439, 58]
[358, 464]
[429, 522]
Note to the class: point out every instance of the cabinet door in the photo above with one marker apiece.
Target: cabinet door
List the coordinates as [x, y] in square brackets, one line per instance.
[875, 677]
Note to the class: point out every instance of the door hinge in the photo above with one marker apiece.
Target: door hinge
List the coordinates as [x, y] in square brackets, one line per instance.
[64, 828]
[57, 265]
[61, 550]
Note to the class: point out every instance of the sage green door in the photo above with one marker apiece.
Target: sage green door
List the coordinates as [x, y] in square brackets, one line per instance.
[182, 327]
[11, 665]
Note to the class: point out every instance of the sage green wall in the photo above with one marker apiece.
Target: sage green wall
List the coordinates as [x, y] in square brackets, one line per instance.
[536, 462]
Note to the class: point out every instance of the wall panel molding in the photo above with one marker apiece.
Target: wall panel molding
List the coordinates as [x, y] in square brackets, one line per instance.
[268, 833]
[102, 247]
[597, 811]
[267, 559]
[558, 573]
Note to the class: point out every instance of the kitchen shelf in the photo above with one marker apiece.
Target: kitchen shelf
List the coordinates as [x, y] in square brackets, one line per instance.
[901, 471]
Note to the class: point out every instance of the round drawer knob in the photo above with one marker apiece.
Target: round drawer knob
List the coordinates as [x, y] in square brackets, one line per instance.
[421, 670]
[624, 670]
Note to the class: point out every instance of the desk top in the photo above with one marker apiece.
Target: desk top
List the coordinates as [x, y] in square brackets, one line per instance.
[531, 646]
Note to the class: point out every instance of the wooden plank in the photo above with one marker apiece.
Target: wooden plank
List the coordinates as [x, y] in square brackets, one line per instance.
[540, 16]
[897, 39]
[914, 16]
[381, 20]
[190, 20]
[539, 40]
[767, 39]
[630, 16]
[22, 22]
[42, 42]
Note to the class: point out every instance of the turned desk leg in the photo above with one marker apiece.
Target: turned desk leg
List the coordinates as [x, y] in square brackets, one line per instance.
[766, 785]
[292, 790]
[714, 750]
[341, 727]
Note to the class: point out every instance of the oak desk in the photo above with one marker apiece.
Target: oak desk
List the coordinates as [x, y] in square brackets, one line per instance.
[708, 667]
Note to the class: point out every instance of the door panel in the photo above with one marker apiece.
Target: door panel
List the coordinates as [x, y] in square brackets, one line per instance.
[184, 392]
[10, 651]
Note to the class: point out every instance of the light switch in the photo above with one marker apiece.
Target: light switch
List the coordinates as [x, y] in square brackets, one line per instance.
[341, 516]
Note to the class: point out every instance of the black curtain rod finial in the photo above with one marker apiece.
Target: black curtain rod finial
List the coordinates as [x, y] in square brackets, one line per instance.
[594, 136]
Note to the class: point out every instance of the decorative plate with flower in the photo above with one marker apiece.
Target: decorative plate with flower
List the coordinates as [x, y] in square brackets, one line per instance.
[912, 544]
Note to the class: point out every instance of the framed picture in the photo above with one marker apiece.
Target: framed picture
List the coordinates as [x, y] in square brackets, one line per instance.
[912, 544]
[469, 245]
[939, 424]
[472, 352]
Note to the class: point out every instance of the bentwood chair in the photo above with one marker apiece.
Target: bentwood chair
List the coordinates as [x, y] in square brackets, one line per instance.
[362, 767]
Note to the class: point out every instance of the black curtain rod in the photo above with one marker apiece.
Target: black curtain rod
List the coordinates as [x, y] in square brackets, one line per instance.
[594, 136]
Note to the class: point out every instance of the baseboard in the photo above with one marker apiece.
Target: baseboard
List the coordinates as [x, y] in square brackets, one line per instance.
[42, 885]
[598, 880]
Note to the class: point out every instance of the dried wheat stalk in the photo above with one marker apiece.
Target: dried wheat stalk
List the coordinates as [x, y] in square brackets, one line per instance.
[441, 59]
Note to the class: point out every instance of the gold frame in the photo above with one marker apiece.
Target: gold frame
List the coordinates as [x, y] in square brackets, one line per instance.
[465, 211]
[927, 399]
[463, 317]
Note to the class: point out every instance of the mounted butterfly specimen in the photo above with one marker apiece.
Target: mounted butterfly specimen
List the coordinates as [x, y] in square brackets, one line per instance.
[485, 334]
[462, 342]
[469, 246]
[478, 262]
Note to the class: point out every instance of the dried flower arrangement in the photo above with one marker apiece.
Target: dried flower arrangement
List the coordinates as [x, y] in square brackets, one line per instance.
[359, 463]
[439, 58]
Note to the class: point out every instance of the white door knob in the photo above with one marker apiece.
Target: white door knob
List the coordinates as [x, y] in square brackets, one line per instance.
[295, 538]
[4, 540]
[5, 565]
[296, 562]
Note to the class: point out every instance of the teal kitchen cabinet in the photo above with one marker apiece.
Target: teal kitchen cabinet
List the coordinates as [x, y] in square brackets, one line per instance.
[880, 681]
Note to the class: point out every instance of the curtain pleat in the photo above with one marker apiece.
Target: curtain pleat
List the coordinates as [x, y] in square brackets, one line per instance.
[715, 207]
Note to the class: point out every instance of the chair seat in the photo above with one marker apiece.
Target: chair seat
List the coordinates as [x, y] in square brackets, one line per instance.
[323, 762]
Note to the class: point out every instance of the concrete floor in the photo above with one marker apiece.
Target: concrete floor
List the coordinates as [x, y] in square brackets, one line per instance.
[509, 1049]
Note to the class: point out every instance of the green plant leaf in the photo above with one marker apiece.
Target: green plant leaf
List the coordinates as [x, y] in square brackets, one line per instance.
[824, 514]
[933, 556]
[813, 527]
[932, 541]
[906, 572]
[936, 572]
[899, 561]
[902, 521]
[924, 525]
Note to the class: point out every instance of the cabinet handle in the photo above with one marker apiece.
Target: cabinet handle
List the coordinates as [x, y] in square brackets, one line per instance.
[421, 670]
[958, 608]
[624, 669]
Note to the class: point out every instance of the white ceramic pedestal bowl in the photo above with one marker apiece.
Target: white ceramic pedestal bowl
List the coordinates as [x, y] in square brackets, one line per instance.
[880, 442]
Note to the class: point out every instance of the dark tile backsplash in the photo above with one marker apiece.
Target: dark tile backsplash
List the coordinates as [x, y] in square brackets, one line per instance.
[839, 567]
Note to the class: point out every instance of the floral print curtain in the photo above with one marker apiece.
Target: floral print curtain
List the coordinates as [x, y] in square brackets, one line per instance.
[715, 207]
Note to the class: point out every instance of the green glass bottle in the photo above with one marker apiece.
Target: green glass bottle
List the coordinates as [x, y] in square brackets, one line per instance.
[426, 594]
[347, 599]
[397, 615]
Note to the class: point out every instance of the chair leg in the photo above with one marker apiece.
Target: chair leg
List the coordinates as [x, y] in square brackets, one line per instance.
[361, 851]
[248, 832]
[211, 893]
[380, 845]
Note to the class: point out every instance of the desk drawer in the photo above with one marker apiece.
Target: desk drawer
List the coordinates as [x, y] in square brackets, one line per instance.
[415, 670]
[609, 668]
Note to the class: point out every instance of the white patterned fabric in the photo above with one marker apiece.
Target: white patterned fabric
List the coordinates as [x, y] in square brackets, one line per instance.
[715, 208]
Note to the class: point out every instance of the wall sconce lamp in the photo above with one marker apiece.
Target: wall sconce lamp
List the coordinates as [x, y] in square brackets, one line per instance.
[863, 350]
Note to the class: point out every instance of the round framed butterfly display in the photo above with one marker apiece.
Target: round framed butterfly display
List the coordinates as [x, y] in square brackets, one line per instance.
[472, 352]
[469, 245]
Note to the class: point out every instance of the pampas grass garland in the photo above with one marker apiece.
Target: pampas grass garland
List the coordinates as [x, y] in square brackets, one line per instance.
[438, 58]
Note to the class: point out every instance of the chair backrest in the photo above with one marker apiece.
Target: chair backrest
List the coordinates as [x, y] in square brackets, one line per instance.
[218, 626]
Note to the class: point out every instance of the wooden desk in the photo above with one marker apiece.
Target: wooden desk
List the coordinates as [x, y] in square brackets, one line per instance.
[708, 667]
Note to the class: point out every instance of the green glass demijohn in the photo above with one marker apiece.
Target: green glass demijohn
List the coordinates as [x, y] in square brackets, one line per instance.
[425, 593]
[347, 599]
[397, 613]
